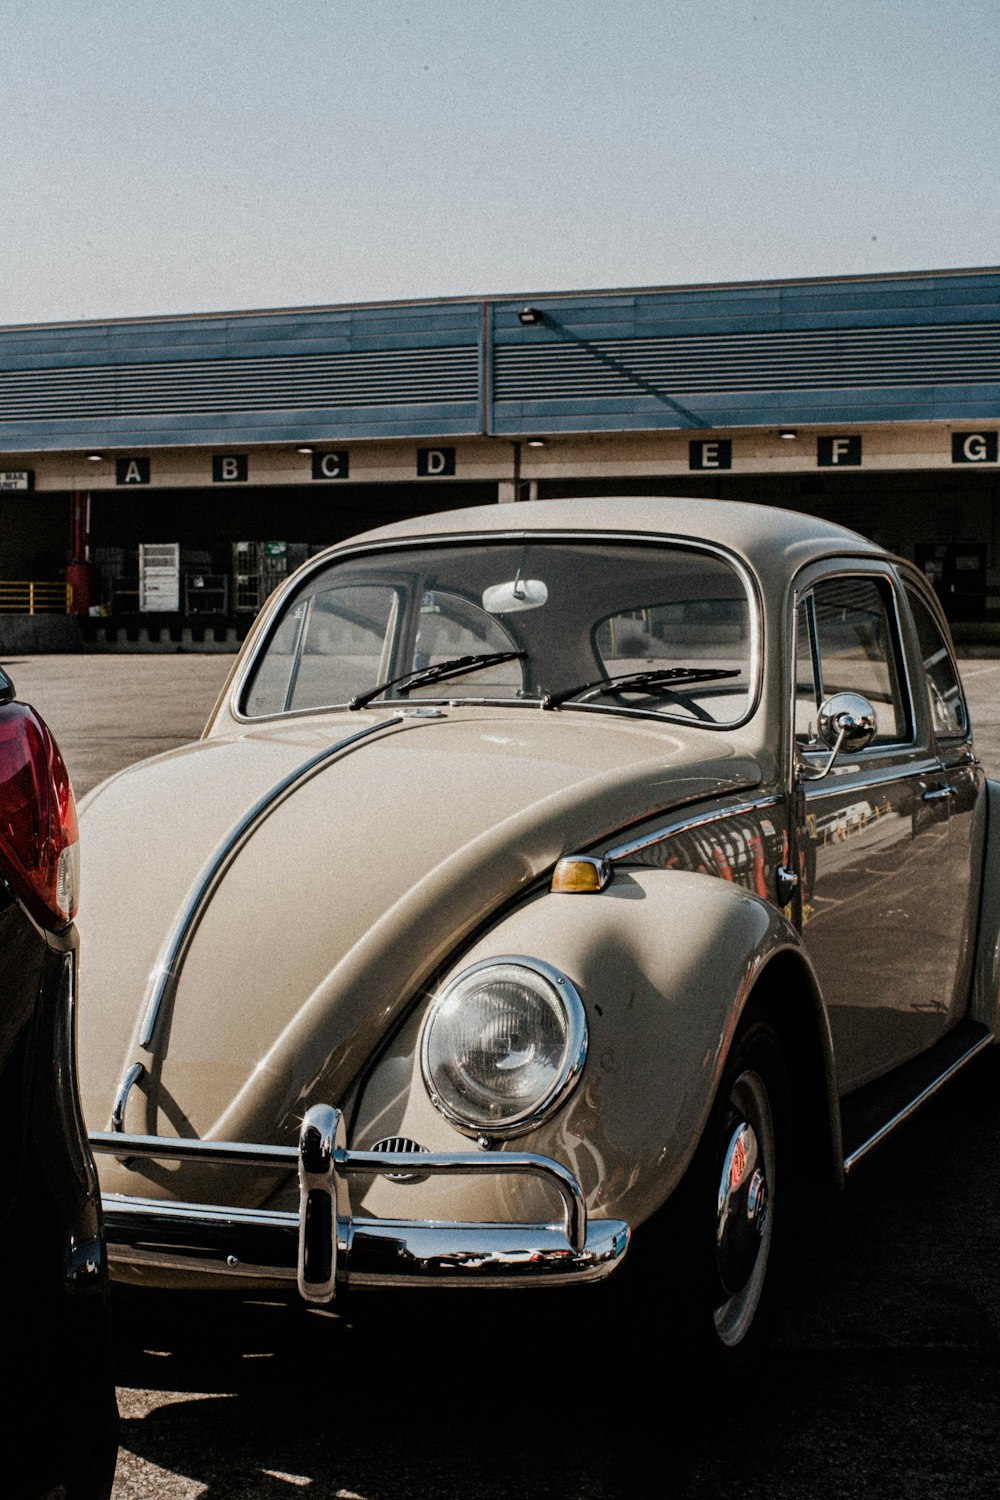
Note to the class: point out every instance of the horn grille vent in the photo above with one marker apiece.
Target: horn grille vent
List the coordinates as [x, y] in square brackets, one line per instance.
[391, 1144]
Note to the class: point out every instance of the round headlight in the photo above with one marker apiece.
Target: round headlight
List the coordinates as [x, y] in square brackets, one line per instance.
[502, 1045]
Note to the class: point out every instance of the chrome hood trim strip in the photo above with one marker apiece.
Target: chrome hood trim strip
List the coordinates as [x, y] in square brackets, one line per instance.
[695, 820]
[167, 969]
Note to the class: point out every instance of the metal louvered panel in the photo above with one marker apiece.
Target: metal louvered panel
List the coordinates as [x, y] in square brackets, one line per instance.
[376, 378]
[400, 1143]
[953, 355]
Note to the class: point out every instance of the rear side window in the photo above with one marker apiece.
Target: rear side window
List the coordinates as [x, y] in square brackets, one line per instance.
[944, 691]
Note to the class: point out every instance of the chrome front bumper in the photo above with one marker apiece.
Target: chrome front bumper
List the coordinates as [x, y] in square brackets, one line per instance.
[324, 1247]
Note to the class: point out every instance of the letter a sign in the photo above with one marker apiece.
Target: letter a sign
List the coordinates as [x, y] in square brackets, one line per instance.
[131, 471]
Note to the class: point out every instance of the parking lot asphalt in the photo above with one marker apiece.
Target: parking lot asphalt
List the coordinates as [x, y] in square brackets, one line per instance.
[108, 711]
[884, 1380]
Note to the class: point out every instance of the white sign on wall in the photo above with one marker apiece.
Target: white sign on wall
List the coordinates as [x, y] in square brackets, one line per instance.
[17, 479]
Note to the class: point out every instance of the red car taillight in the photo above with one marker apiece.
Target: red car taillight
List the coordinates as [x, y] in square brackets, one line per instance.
[38, 832]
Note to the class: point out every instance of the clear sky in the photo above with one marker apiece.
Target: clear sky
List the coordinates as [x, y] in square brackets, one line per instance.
[190, 155]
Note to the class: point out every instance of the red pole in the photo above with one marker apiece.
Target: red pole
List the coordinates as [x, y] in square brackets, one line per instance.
[83, 577]
[78, 539]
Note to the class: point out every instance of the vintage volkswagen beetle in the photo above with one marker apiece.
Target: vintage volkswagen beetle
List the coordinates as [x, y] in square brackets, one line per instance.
[584, 858]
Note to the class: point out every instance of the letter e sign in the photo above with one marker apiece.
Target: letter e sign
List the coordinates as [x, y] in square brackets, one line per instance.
[713, 453]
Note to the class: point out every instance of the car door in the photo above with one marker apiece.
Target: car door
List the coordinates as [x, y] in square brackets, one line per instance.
[883, 911]
[952, 799]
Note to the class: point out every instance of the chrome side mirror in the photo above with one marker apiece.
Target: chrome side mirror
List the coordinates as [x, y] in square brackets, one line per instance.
[847, 721]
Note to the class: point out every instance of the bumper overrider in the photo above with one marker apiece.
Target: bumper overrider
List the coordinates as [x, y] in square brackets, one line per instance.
[324, 1247]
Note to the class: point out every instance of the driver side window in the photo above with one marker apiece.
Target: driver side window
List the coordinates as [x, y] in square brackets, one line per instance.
[847, 642]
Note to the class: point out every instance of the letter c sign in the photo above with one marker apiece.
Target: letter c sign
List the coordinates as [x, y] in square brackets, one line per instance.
[332, 465]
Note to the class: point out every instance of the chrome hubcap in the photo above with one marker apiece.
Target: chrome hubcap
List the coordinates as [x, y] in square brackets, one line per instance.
[743, 1214]
[742, 1209]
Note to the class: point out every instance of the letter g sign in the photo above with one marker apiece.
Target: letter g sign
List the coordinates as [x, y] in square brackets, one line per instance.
[974, 447]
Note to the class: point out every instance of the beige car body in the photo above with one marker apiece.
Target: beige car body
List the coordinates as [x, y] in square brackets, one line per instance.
[427, 844]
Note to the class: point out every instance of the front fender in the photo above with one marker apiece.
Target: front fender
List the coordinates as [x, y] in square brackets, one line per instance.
[664, 961]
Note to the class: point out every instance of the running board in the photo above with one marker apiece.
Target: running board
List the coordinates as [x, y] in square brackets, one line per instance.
[871, 1114]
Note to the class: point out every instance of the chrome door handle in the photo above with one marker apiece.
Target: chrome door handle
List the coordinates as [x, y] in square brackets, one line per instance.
[938, 794]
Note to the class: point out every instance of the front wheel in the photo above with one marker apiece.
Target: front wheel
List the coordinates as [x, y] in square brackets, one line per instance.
[735, 1204]
[705, 1271]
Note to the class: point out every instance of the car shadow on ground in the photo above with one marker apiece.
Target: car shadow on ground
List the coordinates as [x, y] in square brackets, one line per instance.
[412, 1402]
[883, 1380]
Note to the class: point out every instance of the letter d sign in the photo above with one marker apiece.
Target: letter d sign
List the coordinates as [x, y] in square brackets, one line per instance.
[432, 463]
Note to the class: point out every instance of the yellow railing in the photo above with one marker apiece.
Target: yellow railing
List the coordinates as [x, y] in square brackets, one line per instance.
[25, 598]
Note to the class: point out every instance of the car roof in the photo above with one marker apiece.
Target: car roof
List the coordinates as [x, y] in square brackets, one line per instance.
[764, 536]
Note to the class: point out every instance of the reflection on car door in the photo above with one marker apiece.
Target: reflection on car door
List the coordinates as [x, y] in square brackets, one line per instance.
[958, 787]
[885, 888]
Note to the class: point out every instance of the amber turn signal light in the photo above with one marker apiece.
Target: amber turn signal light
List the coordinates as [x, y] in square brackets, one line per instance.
[581, 874]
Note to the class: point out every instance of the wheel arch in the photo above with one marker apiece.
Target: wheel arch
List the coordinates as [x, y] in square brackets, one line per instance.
[786, 992]
[666, 962]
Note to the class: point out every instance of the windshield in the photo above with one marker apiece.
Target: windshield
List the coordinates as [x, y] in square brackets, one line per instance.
[622, 627]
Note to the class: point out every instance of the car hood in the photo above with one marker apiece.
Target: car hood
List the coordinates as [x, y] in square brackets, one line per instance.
[338, 909]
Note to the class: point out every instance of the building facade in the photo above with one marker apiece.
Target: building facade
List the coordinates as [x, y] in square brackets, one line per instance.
[874, 400]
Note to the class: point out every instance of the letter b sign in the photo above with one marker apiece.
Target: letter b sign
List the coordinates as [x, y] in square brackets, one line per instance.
[229, 468]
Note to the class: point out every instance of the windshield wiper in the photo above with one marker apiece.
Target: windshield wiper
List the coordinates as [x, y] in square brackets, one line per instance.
[633, 682]
[454, 667]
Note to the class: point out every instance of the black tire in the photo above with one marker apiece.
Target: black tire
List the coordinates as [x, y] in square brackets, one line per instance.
[710, 1279]
[736, 1204]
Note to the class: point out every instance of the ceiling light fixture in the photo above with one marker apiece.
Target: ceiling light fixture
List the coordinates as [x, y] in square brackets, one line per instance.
[529, 315]
[95, 458]
[788, 433]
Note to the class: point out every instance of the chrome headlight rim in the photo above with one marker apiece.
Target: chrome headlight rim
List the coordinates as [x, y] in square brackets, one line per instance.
[574, 1052]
